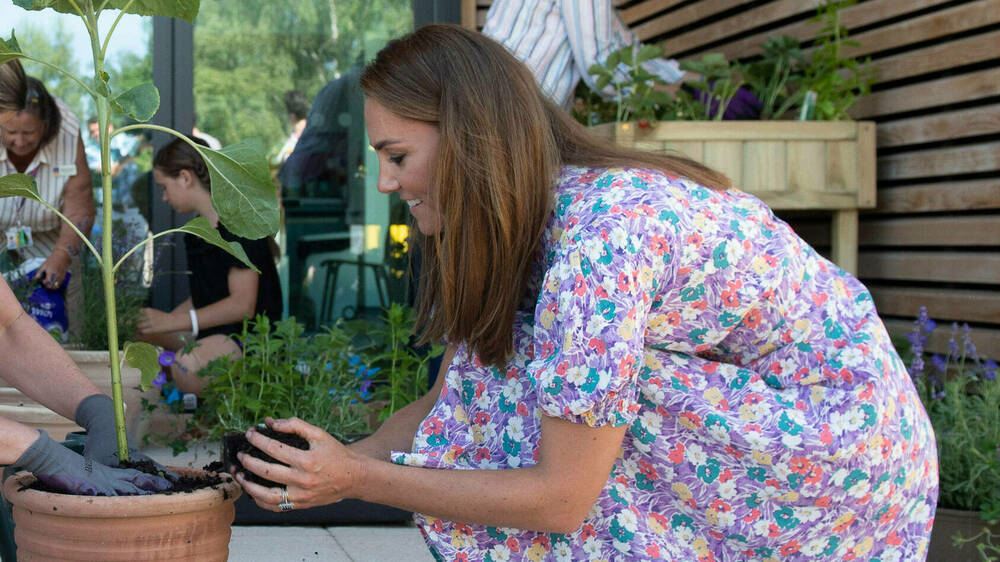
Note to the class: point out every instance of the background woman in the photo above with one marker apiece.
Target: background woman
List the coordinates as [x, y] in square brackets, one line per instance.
[642, 364]
[41, 138]
[223, 290]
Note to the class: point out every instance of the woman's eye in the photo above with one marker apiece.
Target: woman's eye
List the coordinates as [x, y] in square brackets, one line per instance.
[397, 159]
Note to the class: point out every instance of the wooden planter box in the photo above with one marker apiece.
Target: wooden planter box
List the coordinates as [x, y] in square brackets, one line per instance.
[790, 165]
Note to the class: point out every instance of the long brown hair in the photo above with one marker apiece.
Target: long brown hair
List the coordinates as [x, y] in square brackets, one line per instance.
[502, 145]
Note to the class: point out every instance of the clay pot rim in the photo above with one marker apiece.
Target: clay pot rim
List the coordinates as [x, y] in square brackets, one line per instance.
[119, 507]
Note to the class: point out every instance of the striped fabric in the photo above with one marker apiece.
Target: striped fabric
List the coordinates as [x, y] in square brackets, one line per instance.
[50, 171]
[560, 39]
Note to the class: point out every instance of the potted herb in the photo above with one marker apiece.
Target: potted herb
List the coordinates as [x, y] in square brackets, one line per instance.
[793, 145]
[961, 394]
[344, 379]
[159, 526]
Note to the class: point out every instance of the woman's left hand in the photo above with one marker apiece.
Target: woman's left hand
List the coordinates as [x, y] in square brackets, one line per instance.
[53, 271]
[326, 473]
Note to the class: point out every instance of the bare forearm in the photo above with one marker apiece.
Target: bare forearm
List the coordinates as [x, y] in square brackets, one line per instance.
[46, 374]
[523, 498]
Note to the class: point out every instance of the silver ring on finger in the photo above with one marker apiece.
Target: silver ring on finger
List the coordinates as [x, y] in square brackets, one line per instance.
[285, 505]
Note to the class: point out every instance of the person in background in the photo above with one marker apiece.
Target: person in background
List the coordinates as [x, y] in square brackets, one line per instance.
[297, 107]
[41, 138]
[224, 291]
[559, 40]
[642, 362]
[122, 150]
[37, 366]
[210, 141]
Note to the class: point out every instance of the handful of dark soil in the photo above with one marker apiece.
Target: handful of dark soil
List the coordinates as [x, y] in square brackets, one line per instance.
[234, 443]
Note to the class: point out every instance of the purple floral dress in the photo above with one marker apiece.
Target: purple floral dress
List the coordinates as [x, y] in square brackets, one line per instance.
[769, 417]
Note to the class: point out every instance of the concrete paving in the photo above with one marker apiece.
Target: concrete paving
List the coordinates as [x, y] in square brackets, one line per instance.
[287, 543]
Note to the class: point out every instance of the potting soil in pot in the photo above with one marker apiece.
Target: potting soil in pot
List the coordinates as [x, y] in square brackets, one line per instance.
[181, 484]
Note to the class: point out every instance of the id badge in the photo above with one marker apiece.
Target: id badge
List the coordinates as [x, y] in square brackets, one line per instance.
[19, 237]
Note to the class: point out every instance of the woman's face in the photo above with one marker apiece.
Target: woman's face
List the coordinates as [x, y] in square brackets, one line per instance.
[407, 153]
[22, 132]
[176, 190]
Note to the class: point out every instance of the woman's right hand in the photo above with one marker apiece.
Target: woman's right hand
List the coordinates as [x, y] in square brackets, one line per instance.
[325, 473]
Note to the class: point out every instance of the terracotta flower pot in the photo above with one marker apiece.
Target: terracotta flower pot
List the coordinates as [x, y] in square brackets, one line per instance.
[185, 526]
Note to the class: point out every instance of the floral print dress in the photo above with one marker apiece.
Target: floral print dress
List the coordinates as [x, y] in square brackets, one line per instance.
[769, 417]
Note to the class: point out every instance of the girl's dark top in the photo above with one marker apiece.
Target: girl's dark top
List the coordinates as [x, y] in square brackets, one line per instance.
[209, 282]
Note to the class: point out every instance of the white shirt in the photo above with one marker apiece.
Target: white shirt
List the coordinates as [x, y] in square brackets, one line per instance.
[560, 39]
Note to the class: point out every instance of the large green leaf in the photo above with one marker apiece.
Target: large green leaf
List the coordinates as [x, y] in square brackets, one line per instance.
[183, 9]
[139, 103]
[242, 191]
[9, 49]
[144, 357]
[200, 227]
[19, 185]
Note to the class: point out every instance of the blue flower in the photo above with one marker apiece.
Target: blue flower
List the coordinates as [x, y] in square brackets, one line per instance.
[167, 358]
[990, 370]
[159, 379]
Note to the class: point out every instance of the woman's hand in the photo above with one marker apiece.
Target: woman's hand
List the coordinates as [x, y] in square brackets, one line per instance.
[53, 271]
[153, 321]
[326, 473]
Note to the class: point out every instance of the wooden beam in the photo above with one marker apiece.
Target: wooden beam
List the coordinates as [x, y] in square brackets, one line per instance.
[946, 196]
[749, 19]
[942, 304]
[957, 267]
[924, 28]
[643, 10]
[984, 120]
[987, 340]
[984, 157]
[979, 230]
[933, 93]
[961, 52]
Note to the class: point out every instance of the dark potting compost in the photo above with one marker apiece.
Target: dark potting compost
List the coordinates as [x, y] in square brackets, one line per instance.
[181, 484]
[235, 443]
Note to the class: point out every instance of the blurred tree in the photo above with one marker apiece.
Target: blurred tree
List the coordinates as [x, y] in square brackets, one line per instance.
[248, 53]
[54, 44]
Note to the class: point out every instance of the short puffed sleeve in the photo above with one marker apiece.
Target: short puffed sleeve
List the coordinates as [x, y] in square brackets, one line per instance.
[591, 315]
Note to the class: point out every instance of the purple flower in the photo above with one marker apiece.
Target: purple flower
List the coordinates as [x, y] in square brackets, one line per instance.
[939, 363]
[167, 358]
[744, 105]
[159, 379]
[952, 342]
[990, 370]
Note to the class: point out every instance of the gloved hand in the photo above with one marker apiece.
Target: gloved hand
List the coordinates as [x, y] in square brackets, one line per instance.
[95, 413]
[61, 468]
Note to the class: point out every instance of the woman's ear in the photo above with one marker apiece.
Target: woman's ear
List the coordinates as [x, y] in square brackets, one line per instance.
[186, 177]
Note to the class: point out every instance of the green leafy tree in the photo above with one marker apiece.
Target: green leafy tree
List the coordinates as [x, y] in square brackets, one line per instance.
[54, 44]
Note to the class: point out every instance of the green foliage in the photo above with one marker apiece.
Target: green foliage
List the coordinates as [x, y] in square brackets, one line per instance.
[183, 9]
[776, 77]
[987, 543]
[837, 81]
[770, 86]
[961, 394]
[387, 348]
[249, 53]
[337, 379]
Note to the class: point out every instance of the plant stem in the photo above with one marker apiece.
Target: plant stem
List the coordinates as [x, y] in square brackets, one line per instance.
[107, 254]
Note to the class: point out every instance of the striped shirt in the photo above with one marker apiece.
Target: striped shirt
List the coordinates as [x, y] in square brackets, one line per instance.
[560, 39]
[52, 166]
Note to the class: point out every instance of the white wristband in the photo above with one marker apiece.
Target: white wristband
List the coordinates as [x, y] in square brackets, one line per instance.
[194, 321]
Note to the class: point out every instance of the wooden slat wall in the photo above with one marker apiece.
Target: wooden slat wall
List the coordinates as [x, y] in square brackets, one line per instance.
[934, 238]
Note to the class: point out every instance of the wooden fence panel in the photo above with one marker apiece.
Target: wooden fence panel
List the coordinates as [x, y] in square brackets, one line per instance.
[933, 238]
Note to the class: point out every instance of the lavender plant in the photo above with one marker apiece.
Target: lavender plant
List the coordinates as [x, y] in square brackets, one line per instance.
[242, 191]
[960, 392]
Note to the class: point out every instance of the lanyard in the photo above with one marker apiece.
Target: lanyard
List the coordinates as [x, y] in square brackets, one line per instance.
[20, 206]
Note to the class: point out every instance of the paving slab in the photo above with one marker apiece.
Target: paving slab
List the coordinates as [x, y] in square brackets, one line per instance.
[285, 544]
[382, 543]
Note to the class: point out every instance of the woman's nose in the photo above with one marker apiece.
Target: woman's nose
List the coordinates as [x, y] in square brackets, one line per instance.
[387, 183]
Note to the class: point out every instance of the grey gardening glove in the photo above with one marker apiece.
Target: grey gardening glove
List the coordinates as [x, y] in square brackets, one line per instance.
[63, 469]
[95, 413]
